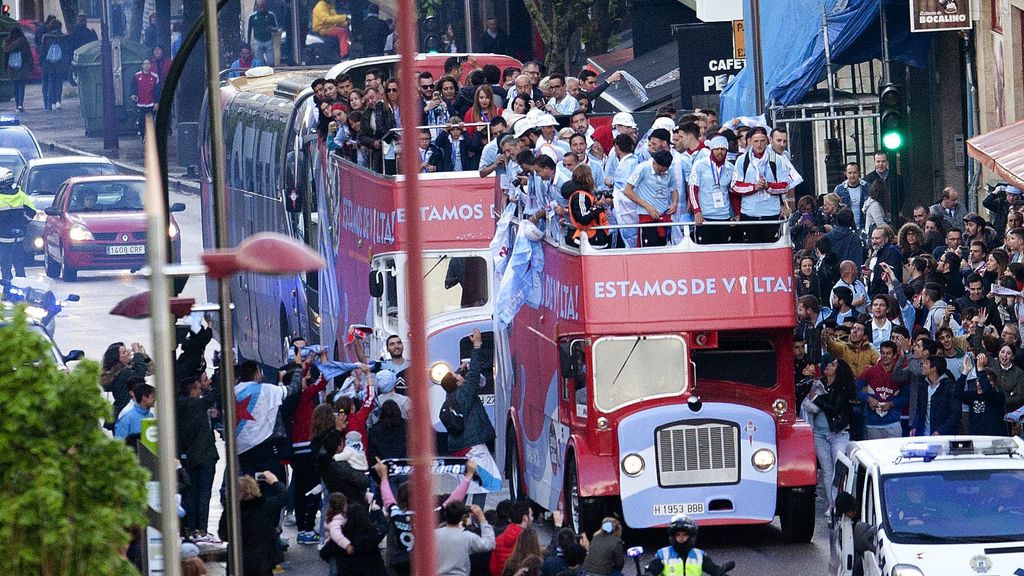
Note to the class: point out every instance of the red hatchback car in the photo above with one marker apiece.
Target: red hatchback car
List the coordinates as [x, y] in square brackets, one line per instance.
[99, 223]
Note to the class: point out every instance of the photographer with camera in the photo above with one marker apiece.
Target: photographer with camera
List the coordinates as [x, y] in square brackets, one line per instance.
[587, 210]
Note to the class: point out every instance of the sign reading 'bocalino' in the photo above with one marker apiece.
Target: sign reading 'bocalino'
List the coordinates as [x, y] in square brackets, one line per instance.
[936, 15]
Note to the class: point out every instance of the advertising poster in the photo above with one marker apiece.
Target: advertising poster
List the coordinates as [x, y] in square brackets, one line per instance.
[937, 15]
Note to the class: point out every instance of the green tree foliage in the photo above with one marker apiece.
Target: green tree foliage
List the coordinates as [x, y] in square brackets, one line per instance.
[68, 493]
[557, 21]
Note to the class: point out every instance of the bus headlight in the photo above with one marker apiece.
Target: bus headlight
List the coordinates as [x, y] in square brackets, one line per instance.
[763, 460]
[38, 243]
[905, 570]
[438, 370]
[633, 465]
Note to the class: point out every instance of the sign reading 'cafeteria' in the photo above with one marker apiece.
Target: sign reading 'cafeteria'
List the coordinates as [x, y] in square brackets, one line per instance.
[936, 15]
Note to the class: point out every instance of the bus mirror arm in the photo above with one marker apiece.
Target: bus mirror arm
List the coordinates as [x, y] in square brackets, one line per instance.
[566, 360]
[376, 284]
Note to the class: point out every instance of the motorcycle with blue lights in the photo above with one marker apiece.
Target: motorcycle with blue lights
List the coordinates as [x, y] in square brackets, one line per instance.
[681, 557]
[41, 304]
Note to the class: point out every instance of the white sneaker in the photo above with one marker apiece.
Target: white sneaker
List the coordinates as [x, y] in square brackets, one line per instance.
[57, 105]
[289, 520]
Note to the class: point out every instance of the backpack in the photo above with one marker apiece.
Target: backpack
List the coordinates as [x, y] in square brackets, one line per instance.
[451, 416]
[14, 61]
[54, 54]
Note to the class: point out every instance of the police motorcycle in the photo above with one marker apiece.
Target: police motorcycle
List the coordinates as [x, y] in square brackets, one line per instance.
[681, 557]
[42, 305]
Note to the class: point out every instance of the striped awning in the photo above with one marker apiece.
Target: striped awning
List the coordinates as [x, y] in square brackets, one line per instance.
[1002, 151]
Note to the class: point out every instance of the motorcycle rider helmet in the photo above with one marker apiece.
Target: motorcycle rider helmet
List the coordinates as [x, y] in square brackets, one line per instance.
[6, 181]
[682, 523]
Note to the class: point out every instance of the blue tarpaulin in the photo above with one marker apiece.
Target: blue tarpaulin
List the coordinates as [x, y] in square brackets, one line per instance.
[794, 50]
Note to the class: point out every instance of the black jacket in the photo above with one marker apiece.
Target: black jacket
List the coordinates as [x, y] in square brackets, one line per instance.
[196, 443]
[891, 255]
[339, 476]
[986, 409]
[497, 45]
[117, 384]
[365, 559]
[469, 149]
[478, 428]
[377, 124]
[846, 244]
[375, 35]
[259, 518]
[387, 440]
[837, 408]
[945, 409]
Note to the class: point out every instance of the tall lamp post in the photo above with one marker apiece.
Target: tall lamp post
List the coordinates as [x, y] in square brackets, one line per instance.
[110, 141]
[266, 253]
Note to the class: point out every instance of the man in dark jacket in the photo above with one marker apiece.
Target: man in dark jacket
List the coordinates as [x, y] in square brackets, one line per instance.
[999, 203]
[938, 411]
[846, 243]
[459, 151]
[375, 32]
[884, 251]
[197, 450]
[494, 40]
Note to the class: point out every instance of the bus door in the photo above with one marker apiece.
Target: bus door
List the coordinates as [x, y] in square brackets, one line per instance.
[384, 301]
[573, 393]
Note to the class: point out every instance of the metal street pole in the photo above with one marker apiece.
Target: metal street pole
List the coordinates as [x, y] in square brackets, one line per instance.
[755, 40]
[163, 355]
[110, 142]
[296, 49]
[421, 436]
[227, 337]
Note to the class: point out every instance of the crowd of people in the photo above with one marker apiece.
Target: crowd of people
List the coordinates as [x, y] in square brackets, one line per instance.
[908, 329]
[321, 439]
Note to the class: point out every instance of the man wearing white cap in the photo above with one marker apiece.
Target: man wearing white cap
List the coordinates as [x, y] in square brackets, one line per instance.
[622, 123]
[624, 210]
[708, 192]
[548, 143]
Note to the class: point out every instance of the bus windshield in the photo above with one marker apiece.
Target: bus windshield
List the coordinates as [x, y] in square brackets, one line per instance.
[954, 506]
[630, 369]
[453, 283]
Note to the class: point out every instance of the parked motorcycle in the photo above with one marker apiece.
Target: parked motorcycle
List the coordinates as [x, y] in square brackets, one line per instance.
[41, 303]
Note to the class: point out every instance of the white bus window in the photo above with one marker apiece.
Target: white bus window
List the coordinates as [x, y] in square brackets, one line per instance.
[454, 282]
[628, 370]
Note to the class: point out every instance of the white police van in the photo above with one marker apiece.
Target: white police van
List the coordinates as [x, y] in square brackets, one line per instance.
[938, 506]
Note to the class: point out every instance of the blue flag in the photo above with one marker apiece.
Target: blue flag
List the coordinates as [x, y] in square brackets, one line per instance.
[522, 280]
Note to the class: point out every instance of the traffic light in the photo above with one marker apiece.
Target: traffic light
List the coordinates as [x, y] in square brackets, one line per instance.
[892, 105]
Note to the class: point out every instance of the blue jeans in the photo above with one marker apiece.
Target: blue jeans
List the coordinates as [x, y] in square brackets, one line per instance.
[196, 498]
[19, 92]
[52, 85]
[827, 446]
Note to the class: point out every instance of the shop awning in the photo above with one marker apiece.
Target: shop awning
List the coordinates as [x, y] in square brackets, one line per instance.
[793, 47]
[1002, 151]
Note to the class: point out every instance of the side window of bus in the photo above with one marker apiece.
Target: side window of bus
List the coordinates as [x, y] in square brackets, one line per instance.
[741, 360]
[839, 477]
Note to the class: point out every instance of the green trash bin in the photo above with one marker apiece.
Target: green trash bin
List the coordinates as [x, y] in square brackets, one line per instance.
[87, 65]
[6, 89]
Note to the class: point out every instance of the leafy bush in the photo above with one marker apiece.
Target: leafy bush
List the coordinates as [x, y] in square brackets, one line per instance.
[68, 493]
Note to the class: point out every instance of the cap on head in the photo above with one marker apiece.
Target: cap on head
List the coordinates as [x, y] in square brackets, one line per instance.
[522, 127]
[386, 381]
[623, 119]
[546, 120]
[719, 142]
[1012, 190]
[6, 179]
[974, 217]
[663, 122]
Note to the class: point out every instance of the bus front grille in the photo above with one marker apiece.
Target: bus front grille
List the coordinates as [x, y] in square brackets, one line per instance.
[698, 454]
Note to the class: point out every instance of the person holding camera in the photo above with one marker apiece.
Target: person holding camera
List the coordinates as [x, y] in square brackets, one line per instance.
[262, 499]
[587, 210]
[455, 543]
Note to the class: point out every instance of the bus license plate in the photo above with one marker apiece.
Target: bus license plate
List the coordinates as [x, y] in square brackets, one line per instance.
[122, 250]
[673, 509]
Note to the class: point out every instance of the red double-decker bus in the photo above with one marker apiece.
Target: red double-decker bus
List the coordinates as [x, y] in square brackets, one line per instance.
[658, 381]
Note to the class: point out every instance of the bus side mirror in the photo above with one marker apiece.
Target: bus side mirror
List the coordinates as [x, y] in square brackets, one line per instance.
[566, 360]
[294, 201]
[376, 284]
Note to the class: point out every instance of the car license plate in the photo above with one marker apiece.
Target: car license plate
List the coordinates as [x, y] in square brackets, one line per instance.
[126, 249]
[673, 509]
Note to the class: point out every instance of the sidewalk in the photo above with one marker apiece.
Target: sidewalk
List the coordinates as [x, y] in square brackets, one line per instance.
[62, 132]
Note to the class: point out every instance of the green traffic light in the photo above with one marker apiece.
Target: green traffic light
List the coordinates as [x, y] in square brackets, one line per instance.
[892, 140]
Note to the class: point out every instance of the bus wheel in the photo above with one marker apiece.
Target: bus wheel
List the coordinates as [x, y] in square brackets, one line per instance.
[584, 515]
[515, 485]
[797, 514]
